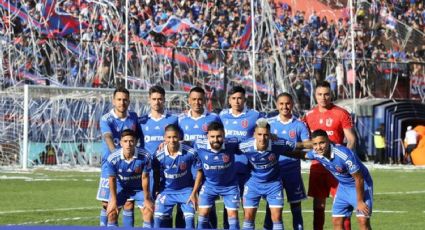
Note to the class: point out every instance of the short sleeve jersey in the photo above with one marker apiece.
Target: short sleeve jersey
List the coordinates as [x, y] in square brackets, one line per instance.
[175, 171]
[129, 173]
[342, 163]
[111, 123]
[333, 121]
[265, 167]
[293, 130]
[153, 130]
[240, 127]
[218, 166]
[196, 128]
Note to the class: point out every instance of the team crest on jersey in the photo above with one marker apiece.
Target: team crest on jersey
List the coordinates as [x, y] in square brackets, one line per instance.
[292, 134]
[244, 123]
[226, 158]
[339, 169]
[183, 166]
[133, 127]
[272, 157]
[205, 127]
[328, 122]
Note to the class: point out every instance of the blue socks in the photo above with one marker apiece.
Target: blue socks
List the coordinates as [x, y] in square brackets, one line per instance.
[233, 223]
[113, 224]
[103, 218]
[189, 220]
[128, 218]
[203, 222]
[248, 224]
[278, 225]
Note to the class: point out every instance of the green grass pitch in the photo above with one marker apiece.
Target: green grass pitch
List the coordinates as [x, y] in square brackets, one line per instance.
[45, 197]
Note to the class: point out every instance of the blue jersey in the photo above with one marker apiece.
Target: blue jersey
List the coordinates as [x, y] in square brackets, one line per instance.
[240, 127]
[175, 171]
[218, 167]
[153, 130]
[293, 130]
[111, 123]
[342, 163]
[129, 173]
[265, 167]
[196, 128]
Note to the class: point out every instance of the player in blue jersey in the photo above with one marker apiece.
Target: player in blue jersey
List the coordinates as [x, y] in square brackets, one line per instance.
[128, 173]
[173, 164]
[265, 181]
[218, 166]
[111, 126]
[152, 125]
[288, 127]
[239, 123]
[193, 125]
[355, 189]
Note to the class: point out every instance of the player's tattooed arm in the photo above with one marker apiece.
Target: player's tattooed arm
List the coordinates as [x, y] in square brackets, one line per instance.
[148, 198]
[194, 195]
[112, 204]
[361, 205]
[109, 140]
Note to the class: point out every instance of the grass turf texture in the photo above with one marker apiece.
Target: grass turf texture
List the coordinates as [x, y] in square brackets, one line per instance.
[44, 197]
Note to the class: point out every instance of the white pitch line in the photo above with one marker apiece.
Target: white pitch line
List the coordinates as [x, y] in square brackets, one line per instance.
[48, 210]
[53, 220]
[398, 193]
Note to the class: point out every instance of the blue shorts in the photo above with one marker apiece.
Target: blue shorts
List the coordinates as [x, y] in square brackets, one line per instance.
[271, 191]
[346, 201]
[292, 182]
[103, 190]
[230, 195]
[165, 202]
[131, 195]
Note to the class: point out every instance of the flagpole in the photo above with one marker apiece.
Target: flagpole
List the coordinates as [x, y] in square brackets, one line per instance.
[254, 84]
[353, 55]
[126, 45]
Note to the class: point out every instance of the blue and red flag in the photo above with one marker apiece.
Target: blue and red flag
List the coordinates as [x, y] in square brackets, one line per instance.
[175, 25]
[246, 35]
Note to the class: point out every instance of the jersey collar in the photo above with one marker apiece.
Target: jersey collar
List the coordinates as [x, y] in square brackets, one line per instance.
[116, 117]
[157, 119]
[179, 153]
[123, 158]
[269, 147]
[212, 150]
[244, 111]
[286, 122]
[189, 114]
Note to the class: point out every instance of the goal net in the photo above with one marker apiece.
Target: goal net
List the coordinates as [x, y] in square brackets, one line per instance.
[62, 123]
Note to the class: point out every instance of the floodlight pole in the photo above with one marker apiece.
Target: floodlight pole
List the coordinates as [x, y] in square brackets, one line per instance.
[254, 83]
[26, 125]
[126, 45]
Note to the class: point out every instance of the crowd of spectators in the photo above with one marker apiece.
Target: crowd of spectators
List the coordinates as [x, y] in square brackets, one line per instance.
[306, 39]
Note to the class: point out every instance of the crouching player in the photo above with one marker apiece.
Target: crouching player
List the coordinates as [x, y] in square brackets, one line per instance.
[355, 190]
[173, 166]
[218, 166]
[263, 155]
[128, 170]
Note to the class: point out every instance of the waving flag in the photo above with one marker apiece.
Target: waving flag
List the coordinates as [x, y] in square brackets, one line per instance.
[175, 25]
[246, 35]
[62, 24]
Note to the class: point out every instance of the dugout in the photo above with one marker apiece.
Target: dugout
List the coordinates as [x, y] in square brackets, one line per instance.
[396, 116]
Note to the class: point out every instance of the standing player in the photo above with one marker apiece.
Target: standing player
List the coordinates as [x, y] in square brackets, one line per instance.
[355, 189]
[111, 126]
[218, 167]
[239, 123]
[194, 125]
[128, 171]
[265, 181]
[337, 122]
[286, 126]
[174, 164]
[152, 125]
